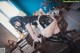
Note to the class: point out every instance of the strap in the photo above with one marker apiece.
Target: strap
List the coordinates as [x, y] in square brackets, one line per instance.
[39, 26]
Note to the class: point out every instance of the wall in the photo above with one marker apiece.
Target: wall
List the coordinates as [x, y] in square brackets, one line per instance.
[30, 6]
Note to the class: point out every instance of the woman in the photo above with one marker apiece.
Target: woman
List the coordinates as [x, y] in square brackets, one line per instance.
[25, 23]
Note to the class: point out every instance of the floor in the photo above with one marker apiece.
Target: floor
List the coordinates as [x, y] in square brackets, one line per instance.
[73, 17]
[5, 35]
[54, 47]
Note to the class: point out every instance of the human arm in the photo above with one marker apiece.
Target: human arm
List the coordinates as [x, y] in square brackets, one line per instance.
[32, 33]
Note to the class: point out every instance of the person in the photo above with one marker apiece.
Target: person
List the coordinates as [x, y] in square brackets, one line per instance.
[49, 27]
[29, 23]
[26, 23]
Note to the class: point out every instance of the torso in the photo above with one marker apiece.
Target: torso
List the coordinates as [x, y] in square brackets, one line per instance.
[49, 31]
